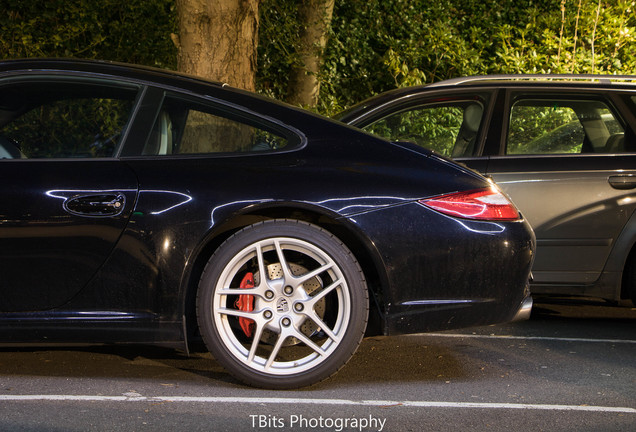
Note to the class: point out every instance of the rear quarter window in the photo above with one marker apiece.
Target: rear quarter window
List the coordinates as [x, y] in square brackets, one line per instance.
[186, 127]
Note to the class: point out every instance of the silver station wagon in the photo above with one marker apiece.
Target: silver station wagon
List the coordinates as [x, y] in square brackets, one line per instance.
[563, 147]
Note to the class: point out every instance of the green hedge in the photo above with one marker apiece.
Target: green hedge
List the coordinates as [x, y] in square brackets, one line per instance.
[374, 45]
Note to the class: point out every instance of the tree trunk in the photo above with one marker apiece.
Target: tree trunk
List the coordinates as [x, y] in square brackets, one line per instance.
[304, 86]
[218, 39]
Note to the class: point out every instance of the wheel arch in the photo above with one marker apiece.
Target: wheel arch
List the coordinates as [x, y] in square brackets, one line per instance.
[621, 258]
[629, 268]
[342, 228]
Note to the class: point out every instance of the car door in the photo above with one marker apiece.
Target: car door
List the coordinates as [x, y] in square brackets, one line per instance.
[565, 160]
[65, 198]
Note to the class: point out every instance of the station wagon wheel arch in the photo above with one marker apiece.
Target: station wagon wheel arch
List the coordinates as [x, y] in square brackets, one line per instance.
[628, 282]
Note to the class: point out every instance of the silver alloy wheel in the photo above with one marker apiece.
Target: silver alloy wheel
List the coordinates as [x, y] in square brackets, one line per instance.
[283, 306]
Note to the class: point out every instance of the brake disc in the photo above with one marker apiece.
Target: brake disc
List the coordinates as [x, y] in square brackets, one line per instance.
[309, 327]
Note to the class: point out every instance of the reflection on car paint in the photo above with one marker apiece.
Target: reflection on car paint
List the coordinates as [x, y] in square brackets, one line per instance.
[481, 228]
[446, 302]
[70, 193]
[166, 195]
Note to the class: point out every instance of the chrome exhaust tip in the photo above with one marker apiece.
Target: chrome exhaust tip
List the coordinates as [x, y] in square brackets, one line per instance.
[524, 310]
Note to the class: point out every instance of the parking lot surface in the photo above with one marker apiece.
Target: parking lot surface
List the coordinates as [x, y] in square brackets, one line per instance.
[570, 368]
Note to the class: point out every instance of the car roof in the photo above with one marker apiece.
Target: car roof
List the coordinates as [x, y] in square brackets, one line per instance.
[153, 76]
[556, 80]
[492, 81]
[552, 79]
[104, 67]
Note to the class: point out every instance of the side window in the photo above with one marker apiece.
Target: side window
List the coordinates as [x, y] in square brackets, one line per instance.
[187, 127]
[449, 129]
[40, 120]
[563, 127]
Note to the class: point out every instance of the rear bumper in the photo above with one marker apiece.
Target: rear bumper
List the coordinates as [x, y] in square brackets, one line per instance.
[444, 273]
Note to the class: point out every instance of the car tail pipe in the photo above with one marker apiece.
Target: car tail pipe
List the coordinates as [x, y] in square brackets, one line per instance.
[524, 311]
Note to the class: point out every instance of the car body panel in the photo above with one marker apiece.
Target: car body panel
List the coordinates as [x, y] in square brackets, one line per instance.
[39, 231]
[445, 297]
[576, 231]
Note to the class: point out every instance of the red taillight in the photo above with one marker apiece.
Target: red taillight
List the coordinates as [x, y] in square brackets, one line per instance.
[481, 204]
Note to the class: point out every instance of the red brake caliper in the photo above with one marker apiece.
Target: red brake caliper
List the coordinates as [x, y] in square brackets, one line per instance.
[245, 303]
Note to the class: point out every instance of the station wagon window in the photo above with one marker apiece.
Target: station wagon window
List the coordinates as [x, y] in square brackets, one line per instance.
[560, 126]
[189, 127]
[446, 128]
[41, 120]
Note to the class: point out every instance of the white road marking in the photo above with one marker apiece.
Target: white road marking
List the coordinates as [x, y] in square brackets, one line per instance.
[544, 338]
[339, 402]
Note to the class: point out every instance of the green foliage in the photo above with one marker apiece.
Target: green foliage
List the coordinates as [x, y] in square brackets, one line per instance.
[279, 35]
[571, 37]
[377, 45]
[374, 45]
[135, 31]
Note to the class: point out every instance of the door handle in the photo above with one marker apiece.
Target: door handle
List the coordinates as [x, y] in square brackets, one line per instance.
[96, 205]
[626, 181]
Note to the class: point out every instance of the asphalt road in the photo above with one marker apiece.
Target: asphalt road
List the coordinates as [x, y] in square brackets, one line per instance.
[570, 368]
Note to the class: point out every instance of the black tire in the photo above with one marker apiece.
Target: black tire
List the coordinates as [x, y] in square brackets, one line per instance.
[309, 312]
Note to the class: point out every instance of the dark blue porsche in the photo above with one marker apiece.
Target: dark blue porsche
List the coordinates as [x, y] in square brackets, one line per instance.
[140, 205]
